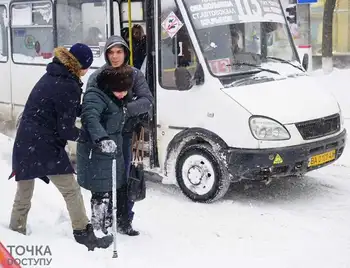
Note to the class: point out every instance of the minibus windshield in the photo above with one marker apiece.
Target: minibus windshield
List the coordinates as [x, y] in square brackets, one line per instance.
[235, 36]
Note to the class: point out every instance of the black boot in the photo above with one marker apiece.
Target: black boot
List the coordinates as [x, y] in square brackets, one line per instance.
[87, 238]
[123, 222]
[126, 228]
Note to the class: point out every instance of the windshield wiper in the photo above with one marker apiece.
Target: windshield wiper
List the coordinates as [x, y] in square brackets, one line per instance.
[253, 65]
[285, 61]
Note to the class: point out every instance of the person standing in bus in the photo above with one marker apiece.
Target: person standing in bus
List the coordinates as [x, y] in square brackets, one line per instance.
[139, 106]
[138, 44]
[47, 123]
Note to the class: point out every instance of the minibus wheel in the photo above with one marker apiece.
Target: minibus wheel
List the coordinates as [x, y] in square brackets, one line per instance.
[201, 175]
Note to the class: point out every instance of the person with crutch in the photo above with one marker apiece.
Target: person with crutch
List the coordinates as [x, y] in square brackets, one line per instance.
[103, 116]
[140, 103]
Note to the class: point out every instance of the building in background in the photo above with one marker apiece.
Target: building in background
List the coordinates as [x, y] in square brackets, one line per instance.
[341, 29]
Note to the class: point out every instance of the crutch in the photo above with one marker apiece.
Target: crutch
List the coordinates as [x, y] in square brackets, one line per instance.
[114, 198]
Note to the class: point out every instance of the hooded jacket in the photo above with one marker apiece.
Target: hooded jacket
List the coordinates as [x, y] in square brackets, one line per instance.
[140, 99]
[48, 121]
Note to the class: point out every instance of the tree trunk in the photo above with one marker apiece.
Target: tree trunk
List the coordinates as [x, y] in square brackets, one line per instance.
[327, 36]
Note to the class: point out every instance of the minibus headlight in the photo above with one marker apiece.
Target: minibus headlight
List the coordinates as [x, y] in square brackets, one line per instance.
[264, 128]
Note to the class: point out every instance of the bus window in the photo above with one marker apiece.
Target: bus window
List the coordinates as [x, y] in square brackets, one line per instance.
[3, 34]
[83, 21]
[175, 52]
[136, 11]
[137, 14]
[278, 45]
[32, 32]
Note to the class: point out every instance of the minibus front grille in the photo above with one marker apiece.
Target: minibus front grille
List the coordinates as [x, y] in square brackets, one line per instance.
[320, 127]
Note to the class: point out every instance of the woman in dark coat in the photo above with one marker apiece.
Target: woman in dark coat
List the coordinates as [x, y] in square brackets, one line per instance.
[47, 123]
[103, 117]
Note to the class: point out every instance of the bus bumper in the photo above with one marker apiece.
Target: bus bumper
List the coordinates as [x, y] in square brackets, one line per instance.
[254, 164]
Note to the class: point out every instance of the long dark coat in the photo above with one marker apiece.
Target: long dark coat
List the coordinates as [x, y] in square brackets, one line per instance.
[103, 118]
[48, 121]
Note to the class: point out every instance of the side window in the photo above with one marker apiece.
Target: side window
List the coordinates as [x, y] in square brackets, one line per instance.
[3, 35]
[176, 49]
[32, 32]
[83, 21]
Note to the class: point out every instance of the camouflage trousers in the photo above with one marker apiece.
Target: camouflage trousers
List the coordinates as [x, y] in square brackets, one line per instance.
[102, 209]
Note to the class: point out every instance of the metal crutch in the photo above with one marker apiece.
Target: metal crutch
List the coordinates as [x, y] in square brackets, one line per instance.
[114, 198]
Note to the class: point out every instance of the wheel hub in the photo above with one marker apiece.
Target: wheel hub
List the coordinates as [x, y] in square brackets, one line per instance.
[198, 174]
[195, 175]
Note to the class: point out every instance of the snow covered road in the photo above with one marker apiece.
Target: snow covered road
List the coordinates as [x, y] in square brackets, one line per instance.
[290, 223]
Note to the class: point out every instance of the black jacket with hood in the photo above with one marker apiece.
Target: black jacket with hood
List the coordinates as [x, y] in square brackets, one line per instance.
[140, 100]
[48, 121]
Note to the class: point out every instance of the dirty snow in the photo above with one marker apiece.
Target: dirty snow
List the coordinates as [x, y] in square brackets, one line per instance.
[290, 223]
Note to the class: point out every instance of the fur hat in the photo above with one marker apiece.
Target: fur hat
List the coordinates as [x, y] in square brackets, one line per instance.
[83, 54]
[116, 79]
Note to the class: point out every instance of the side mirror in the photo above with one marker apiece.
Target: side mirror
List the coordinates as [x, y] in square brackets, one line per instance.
[305, 62]
[183, 78]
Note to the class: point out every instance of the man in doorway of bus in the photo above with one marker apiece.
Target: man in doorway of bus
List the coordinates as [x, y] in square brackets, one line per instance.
[47, 123]
[139, 106]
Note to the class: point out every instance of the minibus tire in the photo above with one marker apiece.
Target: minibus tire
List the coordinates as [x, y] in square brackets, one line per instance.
[221, 179]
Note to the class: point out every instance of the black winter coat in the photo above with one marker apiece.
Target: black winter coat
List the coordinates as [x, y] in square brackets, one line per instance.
[103, 118]
[48, 121]
[139, 52]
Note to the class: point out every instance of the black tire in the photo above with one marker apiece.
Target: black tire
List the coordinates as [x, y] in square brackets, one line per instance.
[221, 181]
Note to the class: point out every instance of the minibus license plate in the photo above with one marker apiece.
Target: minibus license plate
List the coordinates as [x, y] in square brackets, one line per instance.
[321, 158]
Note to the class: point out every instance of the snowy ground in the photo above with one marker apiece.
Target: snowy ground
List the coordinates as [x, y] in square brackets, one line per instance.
[290, 223]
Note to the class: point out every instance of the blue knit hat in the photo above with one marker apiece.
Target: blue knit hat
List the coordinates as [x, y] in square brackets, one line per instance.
[83, 54]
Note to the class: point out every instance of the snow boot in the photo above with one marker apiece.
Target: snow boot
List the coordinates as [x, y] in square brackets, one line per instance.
[99, 206]
[126, 228]
[87, 238]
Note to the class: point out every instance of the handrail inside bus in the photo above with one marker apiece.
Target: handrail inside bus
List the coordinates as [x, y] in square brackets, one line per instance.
[131, 62]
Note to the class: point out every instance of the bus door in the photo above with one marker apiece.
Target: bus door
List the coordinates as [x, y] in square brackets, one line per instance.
[127, 15]
[5, 91]
[177, 65]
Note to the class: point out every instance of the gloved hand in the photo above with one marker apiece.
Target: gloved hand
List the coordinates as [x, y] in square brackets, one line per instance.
[107, 146]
